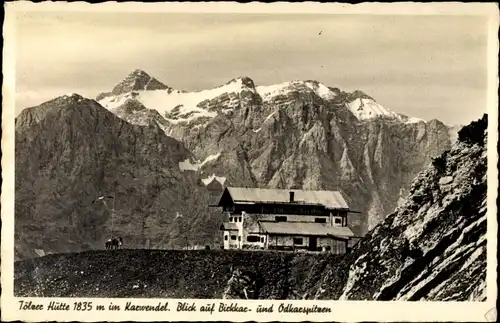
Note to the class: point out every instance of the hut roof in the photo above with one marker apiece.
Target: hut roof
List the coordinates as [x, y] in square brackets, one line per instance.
[305, 228]
[328, 199]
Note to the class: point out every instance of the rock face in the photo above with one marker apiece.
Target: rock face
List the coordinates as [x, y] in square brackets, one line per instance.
[241, 285]
[299, 134]
[71, 150]
[433, 247]
[135, 81]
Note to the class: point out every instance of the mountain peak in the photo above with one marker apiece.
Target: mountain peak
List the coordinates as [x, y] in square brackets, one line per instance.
[66, 100]
[357, 94]
[136, 81]
[72, 96]
[269, 92]
[244, 80]
[139, 72]
[62, 105]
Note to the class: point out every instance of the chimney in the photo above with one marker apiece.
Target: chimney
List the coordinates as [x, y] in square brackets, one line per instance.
[292, 195]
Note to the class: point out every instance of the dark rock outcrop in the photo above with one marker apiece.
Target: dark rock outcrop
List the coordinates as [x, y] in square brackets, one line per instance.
[433, 247]
[137, 80]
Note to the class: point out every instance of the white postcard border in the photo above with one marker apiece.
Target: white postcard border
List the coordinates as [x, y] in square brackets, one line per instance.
[341, 310]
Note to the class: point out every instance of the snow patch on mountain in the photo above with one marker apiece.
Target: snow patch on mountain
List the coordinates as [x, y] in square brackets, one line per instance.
[177, 106]
[269, 116]
[227, 110]
[368, 109]
[267, 92]
[365, 109]
[188, 165]
[209, 179]
[321, 90]
[210, 158]
[413, 120]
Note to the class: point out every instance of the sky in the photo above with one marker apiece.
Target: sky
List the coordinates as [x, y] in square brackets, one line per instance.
[431, 67]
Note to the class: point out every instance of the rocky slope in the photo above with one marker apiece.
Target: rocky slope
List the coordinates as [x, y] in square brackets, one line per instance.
[299, 134]
[71, 150]
[164, 273]
[433, 247]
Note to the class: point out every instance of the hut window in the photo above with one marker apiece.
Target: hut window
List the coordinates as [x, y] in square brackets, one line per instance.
[280, 218]
[262, 239]
[320, 220]
[233, 237]
[338, 221]
[239, 219]
[230, 219]
[298, 240]
[253, 238]
[225, 237]
[239, 238]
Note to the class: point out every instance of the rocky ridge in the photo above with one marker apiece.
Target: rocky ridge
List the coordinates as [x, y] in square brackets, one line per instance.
[298, 134]
[433, 246]
[71, 150]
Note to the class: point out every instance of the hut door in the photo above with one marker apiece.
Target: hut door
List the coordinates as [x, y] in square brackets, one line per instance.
[313, 243]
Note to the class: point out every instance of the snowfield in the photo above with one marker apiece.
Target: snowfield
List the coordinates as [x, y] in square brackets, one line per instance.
[180, 106]
[366, 109]
[270, 91]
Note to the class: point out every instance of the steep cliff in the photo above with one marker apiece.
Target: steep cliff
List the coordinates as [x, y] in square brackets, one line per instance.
[71, 150]
[298, 134]
[433, 247]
